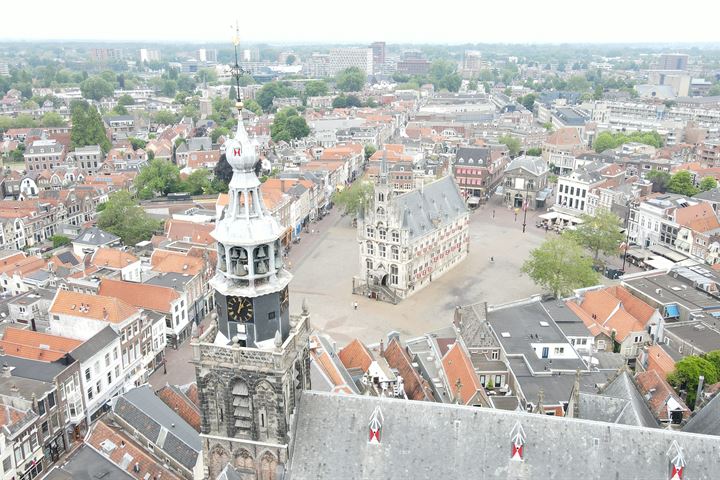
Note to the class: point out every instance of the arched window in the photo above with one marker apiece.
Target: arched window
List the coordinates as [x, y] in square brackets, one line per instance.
[370, 248]
[394, 278]
[381, 249]
[396, 236]
[244, 460]
[268, 466]
[368, 264]
[380, 211]
[381, 197]
[382, 233]
[370, 231]
[395, 252]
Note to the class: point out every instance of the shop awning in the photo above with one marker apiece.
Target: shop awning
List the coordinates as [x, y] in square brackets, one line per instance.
[671, 311]
[473, 201]
[668, 253]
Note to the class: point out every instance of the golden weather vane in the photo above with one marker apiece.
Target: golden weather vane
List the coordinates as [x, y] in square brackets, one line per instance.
[236, 69]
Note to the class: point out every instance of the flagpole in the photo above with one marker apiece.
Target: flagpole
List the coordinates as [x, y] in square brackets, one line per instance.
[525, 207]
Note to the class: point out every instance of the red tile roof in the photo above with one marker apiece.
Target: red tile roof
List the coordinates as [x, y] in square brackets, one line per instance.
[657, 393]
[356, 355]
[17, 342]
[96, 307]
[195, 232]
[125, 446]
[458, 367]
[181, 404]
[416, 387]
[113, 258]
[141, 295]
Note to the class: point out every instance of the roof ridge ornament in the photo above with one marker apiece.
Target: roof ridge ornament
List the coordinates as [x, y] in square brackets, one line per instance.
[375, 426]
[677, 462]
[517, 439]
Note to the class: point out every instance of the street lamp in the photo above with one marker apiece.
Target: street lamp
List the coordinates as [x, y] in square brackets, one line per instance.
[525, 205]
[627, 235]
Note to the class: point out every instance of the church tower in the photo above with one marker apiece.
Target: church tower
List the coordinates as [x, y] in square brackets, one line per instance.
[252, 363]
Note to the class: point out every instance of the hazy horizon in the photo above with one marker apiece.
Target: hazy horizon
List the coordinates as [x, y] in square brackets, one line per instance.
[320, 22]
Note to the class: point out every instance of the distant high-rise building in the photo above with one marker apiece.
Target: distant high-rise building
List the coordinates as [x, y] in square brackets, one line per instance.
[673, 61]
[207, 55]
[413, 63]
[4, 70]
[251, 55]
[105, 54]
[342, 58]
[472, 61]
[148, 55]
[378, 49]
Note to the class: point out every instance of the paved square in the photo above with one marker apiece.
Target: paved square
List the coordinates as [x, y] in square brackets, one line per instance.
[323, 275]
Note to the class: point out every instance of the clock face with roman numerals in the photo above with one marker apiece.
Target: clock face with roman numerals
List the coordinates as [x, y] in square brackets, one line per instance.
[240, 309]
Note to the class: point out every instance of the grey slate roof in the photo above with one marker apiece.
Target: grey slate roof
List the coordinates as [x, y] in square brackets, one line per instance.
[436, 205]
[87, 464]
[94, 344]
[706, 420]
[95, 236]
[637, 411]
[427, 440]
[34, 369]
[149, 415]
[534, 165]
[472, 156]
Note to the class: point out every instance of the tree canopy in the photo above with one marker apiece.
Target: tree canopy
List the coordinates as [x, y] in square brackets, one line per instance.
[599, 233]
[96, 88]
[159, 177]
[272, 90]
[346, 101]
[682, 183]
[443, 75]
[165, 117]
[512, 143]
[223, 171]
[52, 119]
[560, 265]
[87, 126]
[350, 80]
[123, 217]
[687, 373]
[659, 179]
[707, 183]
[288, 125]
[316, 88]
[355, 197]
[607, 140]
[528, 101]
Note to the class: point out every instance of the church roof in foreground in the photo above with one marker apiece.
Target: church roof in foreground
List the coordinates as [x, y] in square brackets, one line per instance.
[335, 438]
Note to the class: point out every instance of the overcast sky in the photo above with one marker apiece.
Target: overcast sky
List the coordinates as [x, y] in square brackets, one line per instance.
[394, 21]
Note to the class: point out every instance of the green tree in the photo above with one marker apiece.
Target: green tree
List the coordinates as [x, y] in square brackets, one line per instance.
[52, 119]
[687, 374]
[369, 150]
[577, 83]
[316, 88]
[125, 100]
[604, 141]
[219, 132]
[707, 183]
[122, 216]
[682, 183]
[232, 93]
[96, 88]
[223, 171]
[528, 101]
[253, 106]
[137, 143]
[560, 265]
[59, 241]
[158, 177]
[534, 151]
[714, 90]
[168, 88]
[599, 233]
[355, 197]
[87, 126]
[120, 110]
[165, 117]
[443, 75]
[350, 80]
[197, 183]
[659, 179]
[288, 125]
[512, 143]
[272, 90]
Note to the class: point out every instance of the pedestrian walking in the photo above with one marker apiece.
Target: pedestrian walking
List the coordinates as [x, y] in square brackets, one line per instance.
[493, 213]
[492, 259]
[355, 305]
